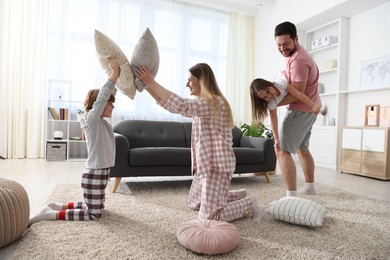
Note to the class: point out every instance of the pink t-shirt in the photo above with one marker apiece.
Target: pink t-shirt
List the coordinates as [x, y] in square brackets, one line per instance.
[301, 67]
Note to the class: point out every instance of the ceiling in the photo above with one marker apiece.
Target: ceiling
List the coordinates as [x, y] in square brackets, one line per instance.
[248, 7]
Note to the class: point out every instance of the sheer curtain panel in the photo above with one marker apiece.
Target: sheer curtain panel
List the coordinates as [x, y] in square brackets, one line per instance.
[23, 41]
[240, 69]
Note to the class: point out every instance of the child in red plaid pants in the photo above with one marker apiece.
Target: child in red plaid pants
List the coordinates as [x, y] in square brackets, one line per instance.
[101, 156]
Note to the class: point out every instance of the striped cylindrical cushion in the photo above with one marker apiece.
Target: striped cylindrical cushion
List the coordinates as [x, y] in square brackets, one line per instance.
[298, 211]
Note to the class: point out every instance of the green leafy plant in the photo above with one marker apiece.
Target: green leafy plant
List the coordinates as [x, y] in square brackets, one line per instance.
[256, 130]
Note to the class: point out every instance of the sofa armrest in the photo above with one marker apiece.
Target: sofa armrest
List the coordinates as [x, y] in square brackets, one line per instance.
[264, 144]
[121, 167]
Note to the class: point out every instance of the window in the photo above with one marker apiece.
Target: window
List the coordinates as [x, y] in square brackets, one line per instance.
[186, 35]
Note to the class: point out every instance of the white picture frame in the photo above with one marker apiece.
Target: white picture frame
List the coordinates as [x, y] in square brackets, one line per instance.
[375, 73]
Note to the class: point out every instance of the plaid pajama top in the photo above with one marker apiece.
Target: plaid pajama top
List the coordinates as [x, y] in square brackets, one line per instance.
[212, 140]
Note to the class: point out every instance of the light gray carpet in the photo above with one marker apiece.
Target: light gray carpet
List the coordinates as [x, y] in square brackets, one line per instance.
[140, 222]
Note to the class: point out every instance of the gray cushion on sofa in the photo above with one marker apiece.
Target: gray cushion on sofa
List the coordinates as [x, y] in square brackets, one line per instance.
[160, 156]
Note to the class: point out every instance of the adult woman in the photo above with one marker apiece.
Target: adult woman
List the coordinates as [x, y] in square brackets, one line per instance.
[213, 160]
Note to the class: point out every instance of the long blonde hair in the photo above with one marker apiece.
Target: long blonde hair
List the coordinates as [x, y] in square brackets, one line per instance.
[210, 90]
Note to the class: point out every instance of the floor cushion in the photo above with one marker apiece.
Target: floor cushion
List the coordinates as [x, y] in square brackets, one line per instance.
[208, 237]
[14, 211]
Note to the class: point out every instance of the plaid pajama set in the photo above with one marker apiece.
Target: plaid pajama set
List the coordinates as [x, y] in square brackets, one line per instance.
[213, 161]
[101, 157]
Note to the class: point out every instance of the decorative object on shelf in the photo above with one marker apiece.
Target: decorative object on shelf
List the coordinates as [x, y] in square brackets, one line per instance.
[324, 112]
[372, 115]
[321, 88]
[330, 64]
[324, 42]
[80, 114]
[58, 135]
[53, 113]
[375, 73]
[256, 130]
[332, 121]
[384, 116]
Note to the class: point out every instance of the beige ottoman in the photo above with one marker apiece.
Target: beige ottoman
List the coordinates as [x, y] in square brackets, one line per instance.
[14, 211]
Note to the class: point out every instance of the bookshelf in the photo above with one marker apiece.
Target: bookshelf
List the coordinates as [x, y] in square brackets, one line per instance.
[64, 138]
[331, 59]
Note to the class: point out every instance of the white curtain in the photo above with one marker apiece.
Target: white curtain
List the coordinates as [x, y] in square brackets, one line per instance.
[23, 41]
[45, 40]
[240, 66]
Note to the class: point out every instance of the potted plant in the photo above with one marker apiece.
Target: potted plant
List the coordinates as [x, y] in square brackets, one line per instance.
[80, 114]
[257, 129]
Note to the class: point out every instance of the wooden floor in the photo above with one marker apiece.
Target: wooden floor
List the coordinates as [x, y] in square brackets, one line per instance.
[39, 178]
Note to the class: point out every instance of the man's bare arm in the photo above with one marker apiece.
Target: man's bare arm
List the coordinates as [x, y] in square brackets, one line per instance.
[288, 99]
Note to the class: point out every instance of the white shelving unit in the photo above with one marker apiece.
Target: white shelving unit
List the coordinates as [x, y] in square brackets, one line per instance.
[72, 145]
[332, 62]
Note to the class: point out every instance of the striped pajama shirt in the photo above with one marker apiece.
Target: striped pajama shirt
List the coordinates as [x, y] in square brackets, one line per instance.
[213, 160]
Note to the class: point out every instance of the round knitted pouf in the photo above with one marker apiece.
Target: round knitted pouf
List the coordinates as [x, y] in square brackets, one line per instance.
[14, 211]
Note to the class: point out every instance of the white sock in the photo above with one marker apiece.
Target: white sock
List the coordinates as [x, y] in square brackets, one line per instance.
[256, 211]
[241, 194]
[55, 205]
[308, 189]
[46, 214]
[291, 193]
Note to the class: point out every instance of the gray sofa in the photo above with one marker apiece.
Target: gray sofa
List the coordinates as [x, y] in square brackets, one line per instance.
[162, 148]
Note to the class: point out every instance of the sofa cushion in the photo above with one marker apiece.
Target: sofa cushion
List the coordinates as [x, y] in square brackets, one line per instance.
[144, 133]
[248, 155]
[160, 156]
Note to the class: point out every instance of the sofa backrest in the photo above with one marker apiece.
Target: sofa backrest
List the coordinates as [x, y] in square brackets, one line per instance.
[148, 133]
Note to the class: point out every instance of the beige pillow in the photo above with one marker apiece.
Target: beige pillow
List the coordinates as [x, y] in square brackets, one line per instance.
[107, 49]
[145, 53]
[298, 211]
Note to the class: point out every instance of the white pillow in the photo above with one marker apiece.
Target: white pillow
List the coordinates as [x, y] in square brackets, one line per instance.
[145, 53]
[107, 49]
[298, 211]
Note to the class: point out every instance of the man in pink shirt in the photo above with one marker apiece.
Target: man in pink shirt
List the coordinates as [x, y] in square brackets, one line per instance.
[295, 131]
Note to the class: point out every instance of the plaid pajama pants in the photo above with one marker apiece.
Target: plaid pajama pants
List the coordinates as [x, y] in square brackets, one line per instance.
[211, 196]
[94, 183]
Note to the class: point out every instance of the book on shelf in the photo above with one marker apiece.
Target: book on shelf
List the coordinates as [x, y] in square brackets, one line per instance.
[53, 113]
[64, 113]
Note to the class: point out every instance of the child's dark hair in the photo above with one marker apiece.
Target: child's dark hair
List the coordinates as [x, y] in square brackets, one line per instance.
[91, 98]
[259, 106]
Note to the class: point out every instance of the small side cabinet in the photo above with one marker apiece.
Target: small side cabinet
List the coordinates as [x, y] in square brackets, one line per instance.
[365, 151]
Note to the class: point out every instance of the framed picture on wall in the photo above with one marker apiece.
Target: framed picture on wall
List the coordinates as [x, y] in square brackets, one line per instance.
[372, 115]
[375, 73]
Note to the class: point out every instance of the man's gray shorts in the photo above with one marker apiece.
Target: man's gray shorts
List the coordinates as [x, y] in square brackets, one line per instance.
[296, 130]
